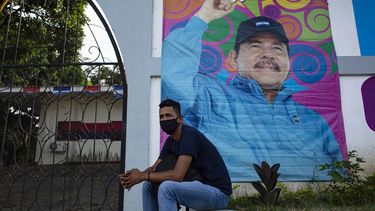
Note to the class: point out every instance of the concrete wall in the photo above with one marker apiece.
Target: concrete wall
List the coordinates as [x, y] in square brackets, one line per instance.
[132, 23]
[354, 70]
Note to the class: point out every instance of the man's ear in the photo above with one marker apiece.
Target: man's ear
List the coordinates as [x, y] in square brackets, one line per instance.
[181, 118]
[232, 58]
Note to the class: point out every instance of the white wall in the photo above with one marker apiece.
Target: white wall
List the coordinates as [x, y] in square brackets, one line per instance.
[132, 23]
[358, 135]
[344, 30]
[154, 138]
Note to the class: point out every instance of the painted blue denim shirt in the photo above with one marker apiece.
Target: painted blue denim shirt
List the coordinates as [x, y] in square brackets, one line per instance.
[237, 118]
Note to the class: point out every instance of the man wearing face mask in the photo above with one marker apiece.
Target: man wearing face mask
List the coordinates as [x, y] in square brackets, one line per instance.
[192, 149]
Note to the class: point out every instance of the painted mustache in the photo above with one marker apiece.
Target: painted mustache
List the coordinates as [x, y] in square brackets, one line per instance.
[267, 62]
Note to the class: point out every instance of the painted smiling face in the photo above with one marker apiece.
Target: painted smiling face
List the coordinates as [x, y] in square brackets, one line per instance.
[265, 59]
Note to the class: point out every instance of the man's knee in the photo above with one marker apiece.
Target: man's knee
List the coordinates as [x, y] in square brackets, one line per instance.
[146, 186]
[166, 188]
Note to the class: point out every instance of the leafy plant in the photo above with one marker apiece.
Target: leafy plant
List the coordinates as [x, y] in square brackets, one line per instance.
[349, 190]
[347, 172]
[301, 198]
[268, 175]
[42, 37]
[36, 33]
[348, 187]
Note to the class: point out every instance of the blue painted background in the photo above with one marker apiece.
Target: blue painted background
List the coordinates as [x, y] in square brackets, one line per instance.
[364, 11]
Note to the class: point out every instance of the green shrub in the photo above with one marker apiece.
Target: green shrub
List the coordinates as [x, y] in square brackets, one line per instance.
[347, 191]
[348, 187]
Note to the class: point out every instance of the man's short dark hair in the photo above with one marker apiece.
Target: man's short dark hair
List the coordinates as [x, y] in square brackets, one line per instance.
[168, 102]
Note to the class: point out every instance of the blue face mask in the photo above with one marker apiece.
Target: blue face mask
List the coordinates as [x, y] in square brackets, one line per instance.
[169, 126]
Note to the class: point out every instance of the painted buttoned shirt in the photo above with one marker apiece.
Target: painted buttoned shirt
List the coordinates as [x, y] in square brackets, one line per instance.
[238, 119]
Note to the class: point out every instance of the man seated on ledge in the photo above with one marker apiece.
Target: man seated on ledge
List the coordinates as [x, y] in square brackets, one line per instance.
[193, 150]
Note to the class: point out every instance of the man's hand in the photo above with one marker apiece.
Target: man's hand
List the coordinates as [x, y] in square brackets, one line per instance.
[131, 178]
[215, 9]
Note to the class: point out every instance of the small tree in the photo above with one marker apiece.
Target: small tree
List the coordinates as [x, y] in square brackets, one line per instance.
[268, 176]
[41, 32]
[38, 41]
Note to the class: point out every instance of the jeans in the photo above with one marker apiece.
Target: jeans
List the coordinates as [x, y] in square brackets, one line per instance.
[192, 194]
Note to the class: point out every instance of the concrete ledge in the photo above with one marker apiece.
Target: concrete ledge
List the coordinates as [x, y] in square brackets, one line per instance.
[356, 65]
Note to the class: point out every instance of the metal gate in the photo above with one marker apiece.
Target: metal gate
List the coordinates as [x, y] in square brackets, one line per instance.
[62, 115]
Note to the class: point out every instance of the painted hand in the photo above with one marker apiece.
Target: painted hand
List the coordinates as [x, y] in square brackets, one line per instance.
[215, 9]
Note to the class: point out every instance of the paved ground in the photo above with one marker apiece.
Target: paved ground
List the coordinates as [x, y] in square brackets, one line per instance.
[60, 187]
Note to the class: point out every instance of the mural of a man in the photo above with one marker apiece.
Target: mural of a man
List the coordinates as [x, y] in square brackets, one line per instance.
[253, 117]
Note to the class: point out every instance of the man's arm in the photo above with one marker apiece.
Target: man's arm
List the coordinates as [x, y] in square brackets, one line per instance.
[182, 51]
[176, 174]
[152, 168]
[134, 176]
[122, 177]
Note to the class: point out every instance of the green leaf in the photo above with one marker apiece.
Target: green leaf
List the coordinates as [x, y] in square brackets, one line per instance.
[259, 171]
[260, 188]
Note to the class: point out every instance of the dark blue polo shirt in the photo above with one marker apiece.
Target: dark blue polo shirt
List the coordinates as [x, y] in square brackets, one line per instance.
[206, 158]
